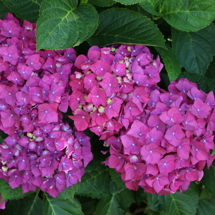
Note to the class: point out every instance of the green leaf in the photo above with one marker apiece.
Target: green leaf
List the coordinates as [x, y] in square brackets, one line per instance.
[209, 178]
[95, 184]
[8, 193]
[103, 3]
[204, 83]
[153, 201]
[109, 206]
[171, 62]
[206, 207]
[205, 193]
[64, 24]
[88, 204]
[56, 206]
[210, 73]
[120, 200]
[152, 6]
[31, 205]
[116, 178]
[180, 204]
[24, 9]
[120, 25]
[117, 204]
[195, 50]
[137, 8]
[129, 2]
[189, 15]
[69, 193]
[164, 83]
[140, 196]
[125, 198]
[3, 10]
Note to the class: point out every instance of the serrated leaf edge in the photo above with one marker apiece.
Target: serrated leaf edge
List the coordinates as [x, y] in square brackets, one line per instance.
[76, 44]
[127, 4]
[142, 16]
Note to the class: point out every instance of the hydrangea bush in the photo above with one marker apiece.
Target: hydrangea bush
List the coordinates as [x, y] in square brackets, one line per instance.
[107, 107]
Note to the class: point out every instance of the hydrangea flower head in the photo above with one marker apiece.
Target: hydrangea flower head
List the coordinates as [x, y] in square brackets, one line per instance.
[175, 142]
[160, 132]
[41, 150]
[109, 86]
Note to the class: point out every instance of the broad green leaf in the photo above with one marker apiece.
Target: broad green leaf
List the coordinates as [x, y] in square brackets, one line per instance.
[120, 200]
[205, 193]
[109, 206]
[54, 206]
[129, 2]
[153, 201]
[8, 193]
[3, 10]
[164, 83]
[31, 205]
[117, 204]
[210, 73]
[24, 9]
[195, 50]
[88, 204]
[64, 24]
[125, 198]
[95, 184]
[152, 6]
[204, 83]
[180, 204]
[206, 207]
[188, 15]
[171, 62]
[120, 25]
[137, 8]
[116, 178]
[103, 3]
[140, 196]
[209, 178]
[69, 193]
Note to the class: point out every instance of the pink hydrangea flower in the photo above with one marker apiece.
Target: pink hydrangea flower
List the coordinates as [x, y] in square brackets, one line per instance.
[41, 150]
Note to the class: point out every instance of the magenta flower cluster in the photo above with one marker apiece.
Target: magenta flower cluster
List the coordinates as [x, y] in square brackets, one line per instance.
[170, 144]
[159, 140]
[52, 158]
[41, 150]
[110, 86]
